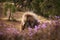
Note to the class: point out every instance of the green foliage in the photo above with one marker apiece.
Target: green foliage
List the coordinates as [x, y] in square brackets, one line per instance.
[11, 8]
[50, 7]
[36, 6]
[6, 9]
[2, 0]
[41, 7]
[5, 0]
[57, 4]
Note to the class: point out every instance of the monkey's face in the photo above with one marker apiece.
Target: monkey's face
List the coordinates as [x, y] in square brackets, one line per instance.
[31, 19]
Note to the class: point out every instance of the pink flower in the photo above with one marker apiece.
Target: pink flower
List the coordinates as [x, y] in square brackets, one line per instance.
[43, 26]
[1, 33]
[30, 29]
[36, 28]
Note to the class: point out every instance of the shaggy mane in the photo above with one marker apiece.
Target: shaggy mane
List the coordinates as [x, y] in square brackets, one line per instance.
[35, 16]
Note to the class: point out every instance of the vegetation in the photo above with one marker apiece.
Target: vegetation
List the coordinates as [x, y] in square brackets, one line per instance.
[10, 7]
[41, 7]
[46, 30]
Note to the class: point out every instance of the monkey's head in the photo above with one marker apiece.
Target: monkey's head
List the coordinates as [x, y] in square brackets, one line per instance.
[29, 16]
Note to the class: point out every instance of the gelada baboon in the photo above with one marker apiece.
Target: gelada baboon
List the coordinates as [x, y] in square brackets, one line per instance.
[29, 19]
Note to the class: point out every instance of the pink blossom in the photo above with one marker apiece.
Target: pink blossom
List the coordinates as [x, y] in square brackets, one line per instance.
[43, 26]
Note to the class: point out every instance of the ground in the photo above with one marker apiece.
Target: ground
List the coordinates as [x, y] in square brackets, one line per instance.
[48, 29]
[18, 16]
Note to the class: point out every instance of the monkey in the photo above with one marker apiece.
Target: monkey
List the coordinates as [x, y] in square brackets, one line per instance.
[29, 19]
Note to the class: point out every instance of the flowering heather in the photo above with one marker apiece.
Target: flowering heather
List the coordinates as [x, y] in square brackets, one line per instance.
[36, 28]
[31, 31]
[12, 30]
[57, 17]
[44, 25]
[45, 31]
[1, 33]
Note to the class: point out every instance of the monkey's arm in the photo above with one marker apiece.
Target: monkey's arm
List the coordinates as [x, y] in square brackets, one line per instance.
[25, 25]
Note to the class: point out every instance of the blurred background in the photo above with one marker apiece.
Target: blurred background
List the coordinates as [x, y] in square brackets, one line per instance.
[11, 12]
[44, 8]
